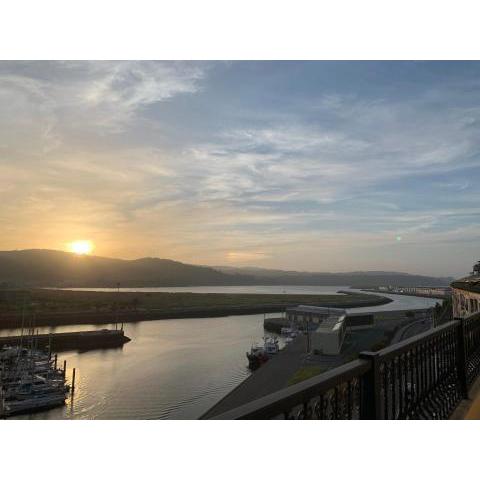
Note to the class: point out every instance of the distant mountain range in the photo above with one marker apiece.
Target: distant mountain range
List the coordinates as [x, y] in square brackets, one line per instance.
[55, 268]
[352, 279]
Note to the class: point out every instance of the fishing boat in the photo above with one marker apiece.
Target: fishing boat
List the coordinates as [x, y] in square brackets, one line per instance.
[289, 332]
[260, 354]
[271, 345]
[256, 357]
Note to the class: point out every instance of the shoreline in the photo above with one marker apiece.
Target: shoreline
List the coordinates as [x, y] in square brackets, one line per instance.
[406, 294]
[172, 310]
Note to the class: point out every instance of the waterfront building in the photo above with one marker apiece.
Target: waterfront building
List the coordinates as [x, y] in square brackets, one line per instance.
[310, 313]
[440, 292]
[359, 321]
[329, 327]
[329, 336]
[466, 294]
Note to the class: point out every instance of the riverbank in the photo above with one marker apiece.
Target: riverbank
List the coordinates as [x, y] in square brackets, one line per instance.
[65, 307]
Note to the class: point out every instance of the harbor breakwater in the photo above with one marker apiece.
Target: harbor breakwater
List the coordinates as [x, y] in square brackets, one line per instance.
[86, 340]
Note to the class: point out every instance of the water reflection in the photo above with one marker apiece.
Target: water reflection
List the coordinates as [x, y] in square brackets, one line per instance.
[170, 369]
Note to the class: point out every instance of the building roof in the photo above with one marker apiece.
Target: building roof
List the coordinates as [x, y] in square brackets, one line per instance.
[470, 284]
[318, 310]
[331, 324]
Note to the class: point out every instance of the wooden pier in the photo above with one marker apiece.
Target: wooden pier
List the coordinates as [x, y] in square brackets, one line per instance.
[86, 340]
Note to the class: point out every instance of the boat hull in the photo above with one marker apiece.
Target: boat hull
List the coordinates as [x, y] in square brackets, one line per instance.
[33, 404]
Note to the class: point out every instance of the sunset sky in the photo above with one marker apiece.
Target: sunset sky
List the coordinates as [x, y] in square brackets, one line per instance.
[325, 166]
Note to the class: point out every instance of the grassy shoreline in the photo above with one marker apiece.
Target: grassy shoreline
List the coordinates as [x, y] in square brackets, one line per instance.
[63, 307]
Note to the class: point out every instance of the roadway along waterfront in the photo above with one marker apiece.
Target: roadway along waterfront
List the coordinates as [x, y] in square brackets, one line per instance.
[175, 368]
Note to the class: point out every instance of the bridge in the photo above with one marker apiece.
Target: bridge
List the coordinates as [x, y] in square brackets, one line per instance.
[424, 377]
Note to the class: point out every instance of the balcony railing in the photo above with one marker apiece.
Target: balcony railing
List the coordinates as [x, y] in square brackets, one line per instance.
[471, 326]
[424, 377]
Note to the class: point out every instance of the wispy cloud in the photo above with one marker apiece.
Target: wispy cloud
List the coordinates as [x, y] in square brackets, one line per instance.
[210, 163]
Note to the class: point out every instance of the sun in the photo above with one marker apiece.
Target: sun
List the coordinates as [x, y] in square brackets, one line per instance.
[81, 247]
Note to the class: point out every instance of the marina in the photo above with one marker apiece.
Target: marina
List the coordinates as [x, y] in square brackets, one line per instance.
[30, 379]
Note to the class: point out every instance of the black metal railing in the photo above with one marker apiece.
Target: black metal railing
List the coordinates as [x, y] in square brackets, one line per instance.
[336, 397]
[417, 378]
[471, 328]
[424, 377]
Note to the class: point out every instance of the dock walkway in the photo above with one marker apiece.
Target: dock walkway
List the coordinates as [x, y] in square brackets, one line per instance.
[269, 378]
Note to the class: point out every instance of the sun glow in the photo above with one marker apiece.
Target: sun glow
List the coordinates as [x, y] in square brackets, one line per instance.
[81, 247]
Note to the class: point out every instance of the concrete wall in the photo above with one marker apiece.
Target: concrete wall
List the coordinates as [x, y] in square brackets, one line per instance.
[304, 317]
[329, 342]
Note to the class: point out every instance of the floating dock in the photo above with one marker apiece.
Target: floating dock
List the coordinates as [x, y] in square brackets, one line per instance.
[86, 340]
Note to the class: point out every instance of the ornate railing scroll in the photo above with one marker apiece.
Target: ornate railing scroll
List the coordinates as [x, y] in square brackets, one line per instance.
[334, 395]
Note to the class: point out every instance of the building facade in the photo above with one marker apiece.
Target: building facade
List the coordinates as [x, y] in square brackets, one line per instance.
[436, 292]
[329, 336]
[310, 313]
[466, 294]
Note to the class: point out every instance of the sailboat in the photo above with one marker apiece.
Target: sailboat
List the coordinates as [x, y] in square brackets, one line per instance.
[29, 379]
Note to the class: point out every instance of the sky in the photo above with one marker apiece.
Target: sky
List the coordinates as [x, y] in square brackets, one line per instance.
[315, 166]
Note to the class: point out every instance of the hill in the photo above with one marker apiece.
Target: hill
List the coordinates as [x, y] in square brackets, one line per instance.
[57, 268]
[351, 279]
[62, 269]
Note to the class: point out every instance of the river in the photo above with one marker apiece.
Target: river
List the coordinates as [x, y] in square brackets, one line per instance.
[174, 369]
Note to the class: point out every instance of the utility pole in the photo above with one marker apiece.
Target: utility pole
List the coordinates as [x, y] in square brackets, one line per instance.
[307, 333]
[118, 305]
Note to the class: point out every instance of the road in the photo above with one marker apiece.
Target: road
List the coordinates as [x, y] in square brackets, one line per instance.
[414, 328]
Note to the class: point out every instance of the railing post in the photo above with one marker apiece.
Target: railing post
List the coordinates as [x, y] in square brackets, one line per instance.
[461, 357]
[370, 397]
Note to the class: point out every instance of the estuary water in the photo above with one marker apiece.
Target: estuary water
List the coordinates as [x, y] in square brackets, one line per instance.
[174, 369]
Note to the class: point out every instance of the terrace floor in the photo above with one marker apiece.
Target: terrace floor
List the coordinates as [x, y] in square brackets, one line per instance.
[469, 409]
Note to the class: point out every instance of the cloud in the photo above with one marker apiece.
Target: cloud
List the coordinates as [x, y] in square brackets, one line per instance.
[96, 97]
[180, 159]
[119, 89]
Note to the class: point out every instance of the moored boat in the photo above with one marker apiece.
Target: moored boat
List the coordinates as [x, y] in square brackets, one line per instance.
[259, 355]
[29, 381]
[256, 357]
[33, 403]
